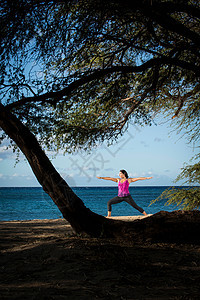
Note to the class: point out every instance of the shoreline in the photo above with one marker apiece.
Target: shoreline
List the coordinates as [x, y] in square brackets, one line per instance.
[122, 218]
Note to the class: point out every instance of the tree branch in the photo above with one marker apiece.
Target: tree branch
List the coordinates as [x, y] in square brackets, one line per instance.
[54, 97]
[181, 99]
[132, 108]
[171, 24]
[156, 13]
[170, 7]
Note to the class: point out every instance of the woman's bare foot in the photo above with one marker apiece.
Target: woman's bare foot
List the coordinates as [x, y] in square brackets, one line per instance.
[109, 214]
[144, 213]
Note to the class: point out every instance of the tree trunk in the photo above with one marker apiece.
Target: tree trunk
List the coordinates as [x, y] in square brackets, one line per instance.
[71, 206]
[177, 226]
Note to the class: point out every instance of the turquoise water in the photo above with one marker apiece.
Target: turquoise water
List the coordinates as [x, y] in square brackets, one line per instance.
[33, 203]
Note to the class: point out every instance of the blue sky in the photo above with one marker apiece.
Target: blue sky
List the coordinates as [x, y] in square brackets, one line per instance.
[148, 151]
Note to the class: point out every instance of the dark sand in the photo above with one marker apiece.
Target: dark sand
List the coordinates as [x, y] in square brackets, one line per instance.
[44, 259]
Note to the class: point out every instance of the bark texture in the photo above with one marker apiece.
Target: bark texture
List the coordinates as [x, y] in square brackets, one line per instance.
[166, 227]
[71, 206]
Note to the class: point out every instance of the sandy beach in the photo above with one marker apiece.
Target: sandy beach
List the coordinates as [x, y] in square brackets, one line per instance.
[130, 218]
[44, 259]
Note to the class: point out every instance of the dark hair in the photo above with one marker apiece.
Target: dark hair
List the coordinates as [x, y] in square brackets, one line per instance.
[125, 173]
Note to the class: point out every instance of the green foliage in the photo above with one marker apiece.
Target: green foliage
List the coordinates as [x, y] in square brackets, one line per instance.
[184, 198]
[191, 173]
[80, 72]
[67, 66]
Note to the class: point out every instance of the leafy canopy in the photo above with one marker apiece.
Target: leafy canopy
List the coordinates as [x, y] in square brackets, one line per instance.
[79, 72]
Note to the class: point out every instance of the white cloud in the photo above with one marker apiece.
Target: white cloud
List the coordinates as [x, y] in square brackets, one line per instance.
[149, 173]
[6, 153]
[15, 175]
[17, 179]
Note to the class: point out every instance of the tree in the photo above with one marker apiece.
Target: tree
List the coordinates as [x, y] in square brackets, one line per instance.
[77, 73]
[187, 198]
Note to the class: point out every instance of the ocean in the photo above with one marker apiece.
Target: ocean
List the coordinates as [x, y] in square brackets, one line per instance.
[29, 203]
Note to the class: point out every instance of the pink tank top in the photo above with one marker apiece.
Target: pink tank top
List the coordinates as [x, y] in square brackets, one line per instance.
[123, 189]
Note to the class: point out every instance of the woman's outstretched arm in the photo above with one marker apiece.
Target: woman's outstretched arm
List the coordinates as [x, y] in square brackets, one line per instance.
[108, 178]
[138, 178]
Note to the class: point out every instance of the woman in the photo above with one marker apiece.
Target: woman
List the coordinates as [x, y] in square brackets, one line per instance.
[123, 191]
